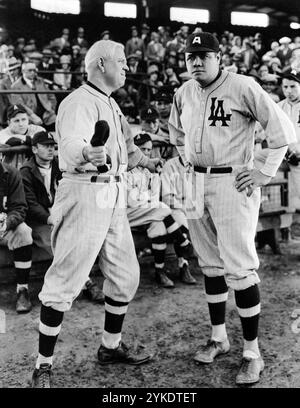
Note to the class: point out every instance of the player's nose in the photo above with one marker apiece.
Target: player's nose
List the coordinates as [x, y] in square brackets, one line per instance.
[197, 60]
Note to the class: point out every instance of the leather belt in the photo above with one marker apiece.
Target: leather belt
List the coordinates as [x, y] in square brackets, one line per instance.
[213, 170]
[105, 179]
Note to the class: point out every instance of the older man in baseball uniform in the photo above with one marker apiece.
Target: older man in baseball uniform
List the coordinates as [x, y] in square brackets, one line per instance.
[212, 123]
[89, 213]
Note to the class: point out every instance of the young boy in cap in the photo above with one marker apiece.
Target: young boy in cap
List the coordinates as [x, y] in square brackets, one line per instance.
[18, 132]
[145, 208]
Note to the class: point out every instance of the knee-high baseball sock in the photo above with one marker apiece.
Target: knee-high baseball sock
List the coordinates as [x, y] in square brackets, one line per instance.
[175, 232]
[22, 261]
[114, 316]
[248, 306]
[49, 328]
[159, 245]
[216, 295]
[180, 255]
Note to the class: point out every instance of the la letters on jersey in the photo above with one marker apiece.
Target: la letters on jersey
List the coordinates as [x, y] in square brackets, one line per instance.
[217, 113]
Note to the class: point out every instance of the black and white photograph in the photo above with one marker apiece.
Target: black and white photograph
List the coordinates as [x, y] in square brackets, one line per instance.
[149, 197]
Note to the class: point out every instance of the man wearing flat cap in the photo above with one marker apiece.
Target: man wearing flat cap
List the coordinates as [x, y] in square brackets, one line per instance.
[212, 123]
[134, 43]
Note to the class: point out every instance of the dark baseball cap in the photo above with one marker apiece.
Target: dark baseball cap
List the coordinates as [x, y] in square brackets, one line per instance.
[292, 75]
[149, 113]
[198, 42]
[142, 138]
[13, 110]
[42, 137]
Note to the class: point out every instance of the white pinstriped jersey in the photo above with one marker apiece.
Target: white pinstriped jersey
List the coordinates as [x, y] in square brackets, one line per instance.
[173, 189]
[216, 124]
[293, 112]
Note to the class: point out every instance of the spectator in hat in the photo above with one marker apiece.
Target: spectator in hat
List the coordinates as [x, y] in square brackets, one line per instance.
[150, 86]
[162, 103]
[275, 66]
[134, 43]
[145, 34]
[46, 64]
[80, 40]
[144, 208]
[20, 44]
[133, 63]
[236, 47]
[42, 105]
[150, 123]
[285, 51]
[249, 56]
[76, 57]
[12, 74]
[258, 45]
[62, 78]
[269, 83]
[263, 70]
[19, 132]
[105, 35]
[155, 50]
[271, 53]
[10, 51]
[63, 42]
[177, 44]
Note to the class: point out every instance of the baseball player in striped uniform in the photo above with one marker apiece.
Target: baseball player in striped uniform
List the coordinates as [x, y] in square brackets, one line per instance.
[146, 208]
[291, 106]
[212, 123]
[89, 212]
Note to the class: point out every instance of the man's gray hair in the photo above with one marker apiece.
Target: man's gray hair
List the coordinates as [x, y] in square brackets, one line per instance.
[101, 49]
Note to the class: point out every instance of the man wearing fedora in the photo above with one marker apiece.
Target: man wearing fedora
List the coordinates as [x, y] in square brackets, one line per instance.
[42, 105]
[12, 74]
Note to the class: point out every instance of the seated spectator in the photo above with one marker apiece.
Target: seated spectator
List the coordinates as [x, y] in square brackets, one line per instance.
[18, 132]
[145, 36]
[40, 176]
[150, 124]
[76, 57]
[134, 43]
[171, 78]
[63, 42]
[42, 105]
[14, 232]
[62, 78]
[145, 208]
[105, 35]
[177, 44]
[80, 40]
[263, 70]
[269, 83]
[275, 66]
[236, 47]
[155, 50]
[271, 53]
[163, 102]
[12, 74]
[249, 56]
[46, 64]
[284, 52]
[150, 86]
[134, 65]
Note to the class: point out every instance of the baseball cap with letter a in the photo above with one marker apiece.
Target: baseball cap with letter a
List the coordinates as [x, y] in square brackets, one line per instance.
[202, 42]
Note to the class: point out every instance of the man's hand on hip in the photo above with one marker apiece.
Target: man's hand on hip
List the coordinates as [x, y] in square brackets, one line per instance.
[95, 155]
[250, 180]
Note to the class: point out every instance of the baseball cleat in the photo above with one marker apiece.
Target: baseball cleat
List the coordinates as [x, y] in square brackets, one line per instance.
[23, 304]
[41, 377]
[120, 354]
[93, 292]
[206, 354]
[162, 279]
[186, 276]
[250, 370]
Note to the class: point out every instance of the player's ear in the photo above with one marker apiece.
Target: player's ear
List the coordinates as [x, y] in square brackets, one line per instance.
[218, 55]
[100, 64]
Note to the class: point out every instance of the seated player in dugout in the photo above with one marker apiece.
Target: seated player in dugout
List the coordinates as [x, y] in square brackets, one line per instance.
[14, 232]
[40, 176]
[145, 208]
[19, 132]
[150, 124]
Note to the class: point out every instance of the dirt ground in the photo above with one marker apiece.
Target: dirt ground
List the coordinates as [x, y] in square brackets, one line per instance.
[171, 324]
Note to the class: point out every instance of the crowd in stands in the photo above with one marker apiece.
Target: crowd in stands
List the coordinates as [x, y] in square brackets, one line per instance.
[156, 68]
